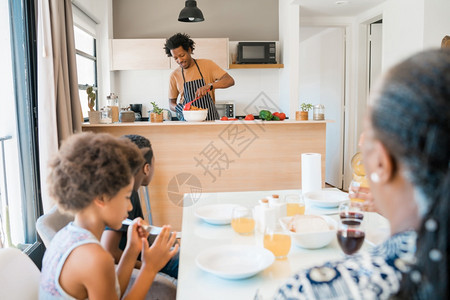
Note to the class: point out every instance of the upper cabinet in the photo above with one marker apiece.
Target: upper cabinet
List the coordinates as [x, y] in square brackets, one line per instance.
[141, 54]
[215, 49]
[138, 54]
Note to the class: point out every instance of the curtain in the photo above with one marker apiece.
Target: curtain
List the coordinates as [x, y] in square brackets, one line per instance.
[59, 109]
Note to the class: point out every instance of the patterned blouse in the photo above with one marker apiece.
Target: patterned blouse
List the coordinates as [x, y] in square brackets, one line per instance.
[375, 274]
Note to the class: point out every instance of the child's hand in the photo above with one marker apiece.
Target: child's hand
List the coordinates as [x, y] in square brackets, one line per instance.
[157, 256]
[135, 234]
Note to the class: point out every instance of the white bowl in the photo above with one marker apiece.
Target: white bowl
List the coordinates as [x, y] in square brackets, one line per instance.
[195, 115]
[312, 240]
[326, 198]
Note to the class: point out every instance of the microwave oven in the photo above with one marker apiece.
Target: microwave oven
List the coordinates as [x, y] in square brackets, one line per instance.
[256, 53]
[225, 109]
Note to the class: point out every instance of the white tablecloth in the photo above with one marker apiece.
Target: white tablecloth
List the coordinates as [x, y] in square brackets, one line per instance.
[194, 283]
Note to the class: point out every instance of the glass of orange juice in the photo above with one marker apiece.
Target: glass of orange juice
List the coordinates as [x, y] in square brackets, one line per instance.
[277, 240]
[242, 220]
[295, 205]
[359, 178]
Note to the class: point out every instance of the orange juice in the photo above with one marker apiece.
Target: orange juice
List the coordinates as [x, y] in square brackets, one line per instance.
[360, 181]
[357, 165]
[295, 209]
[243, 225]
[278, 243]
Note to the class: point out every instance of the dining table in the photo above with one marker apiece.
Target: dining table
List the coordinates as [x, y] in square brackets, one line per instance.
[199, 235]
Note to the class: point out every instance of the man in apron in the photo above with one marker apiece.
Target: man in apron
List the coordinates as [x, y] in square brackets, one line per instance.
[194, 78]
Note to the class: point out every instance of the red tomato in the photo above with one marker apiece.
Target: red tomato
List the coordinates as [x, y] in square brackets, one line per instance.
[224, 118]
[249, 117]
[232, 119]
[276, 114]
[282, 116]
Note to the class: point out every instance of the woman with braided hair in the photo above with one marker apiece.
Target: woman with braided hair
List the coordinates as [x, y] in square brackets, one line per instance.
[406, 153]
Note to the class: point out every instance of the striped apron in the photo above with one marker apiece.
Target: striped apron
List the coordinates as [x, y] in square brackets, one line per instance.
[189, 94]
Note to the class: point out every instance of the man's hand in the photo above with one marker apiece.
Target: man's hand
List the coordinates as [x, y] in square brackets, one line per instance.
[202, 91]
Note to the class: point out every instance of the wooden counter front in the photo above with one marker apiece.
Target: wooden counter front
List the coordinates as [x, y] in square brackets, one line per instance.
[221, 156]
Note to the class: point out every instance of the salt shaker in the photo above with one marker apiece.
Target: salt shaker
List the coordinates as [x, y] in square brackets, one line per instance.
[265, 215]
[279, 205]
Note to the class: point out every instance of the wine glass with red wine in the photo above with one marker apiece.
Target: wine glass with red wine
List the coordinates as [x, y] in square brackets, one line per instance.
[351, 210]
[350, 235]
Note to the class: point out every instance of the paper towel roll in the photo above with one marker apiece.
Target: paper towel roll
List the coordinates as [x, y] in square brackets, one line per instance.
[311, 172]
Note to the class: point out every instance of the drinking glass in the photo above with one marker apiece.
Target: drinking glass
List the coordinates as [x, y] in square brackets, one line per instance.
[350, 235]
[242, 220]
[295, 205]
[277, 240]
[351, 210]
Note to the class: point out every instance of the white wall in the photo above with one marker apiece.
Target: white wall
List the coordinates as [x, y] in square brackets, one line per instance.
[437, 22]
[321, 81]
[289, 19]
[403, 30]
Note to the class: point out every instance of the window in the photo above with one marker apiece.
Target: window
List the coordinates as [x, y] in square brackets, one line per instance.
[86, 55]
[20, 188]
[85, 45]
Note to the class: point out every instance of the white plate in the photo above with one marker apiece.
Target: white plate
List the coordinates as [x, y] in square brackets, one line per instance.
[216, 214]
[234, 261]
[326, 198]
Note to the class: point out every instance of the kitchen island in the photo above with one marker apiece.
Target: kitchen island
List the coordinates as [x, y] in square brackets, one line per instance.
[221, 156]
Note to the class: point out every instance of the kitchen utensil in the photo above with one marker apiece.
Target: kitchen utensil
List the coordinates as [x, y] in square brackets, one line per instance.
[187, 106]
[149, 228]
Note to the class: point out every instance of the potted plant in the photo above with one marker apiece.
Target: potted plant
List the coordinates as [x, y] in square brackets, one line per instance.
[157, 113]
[94, 116]
[302, 115]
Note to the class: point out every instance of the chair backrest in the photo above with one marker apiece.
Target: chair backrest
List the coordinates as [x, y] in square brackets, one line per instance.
[50, 223]
[19, 276]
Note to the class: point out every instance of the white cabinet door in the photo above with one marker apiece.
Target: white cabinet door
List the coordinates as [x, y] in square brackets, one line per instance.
[138, 54]
[215, 49]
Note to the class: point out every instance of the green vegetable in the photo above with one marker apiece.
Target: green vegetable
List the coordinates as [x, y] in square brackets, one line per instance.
[265, 115]
[275, 118]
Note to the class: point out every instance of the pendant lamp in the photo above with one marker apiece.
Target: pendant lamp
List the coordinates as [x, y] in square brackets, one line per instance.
[190, 12]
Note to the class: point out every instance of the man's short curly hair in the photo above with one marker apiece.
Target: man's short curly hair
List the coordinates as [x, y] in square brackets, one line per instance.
[90, 165]
[177, 40]
[144, 144]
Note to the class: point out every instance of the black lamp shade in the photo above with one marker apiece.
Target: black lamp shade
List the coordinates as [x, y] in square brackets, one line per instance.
[190, 12]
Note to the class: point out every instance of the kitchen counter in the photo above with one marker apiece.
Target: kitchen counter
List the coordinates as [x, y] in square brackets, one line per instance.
[205, 123]
[221, 156]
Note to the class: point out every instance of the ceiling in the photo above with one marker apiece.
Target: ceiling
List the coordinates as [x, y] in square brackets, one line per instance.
[330, 8]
